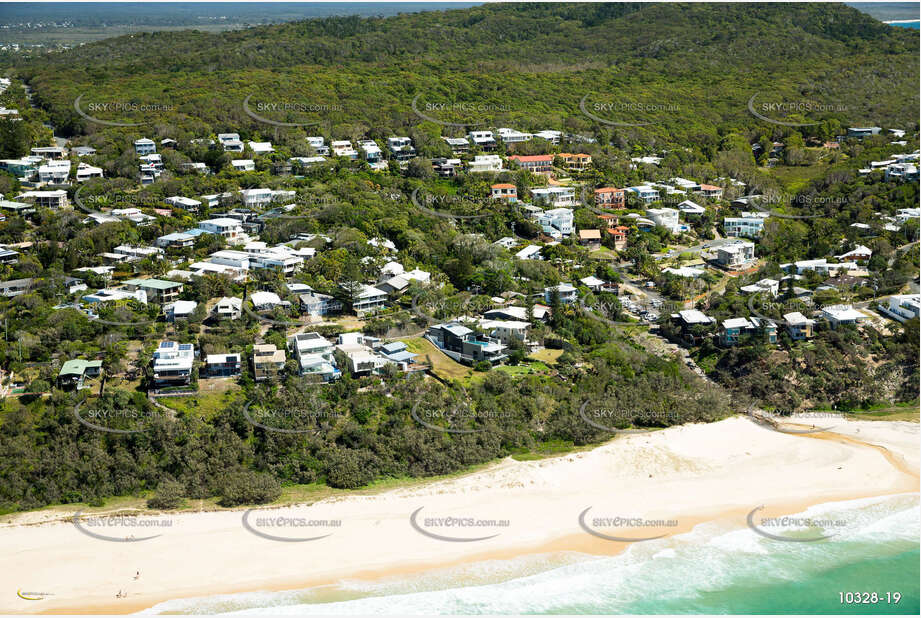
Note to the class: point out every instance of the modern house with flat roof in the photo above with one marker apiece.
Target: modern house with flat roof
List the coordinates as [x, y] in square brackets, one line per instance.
[464, 345]
[158, 291]
[268, 361]
[172, 363]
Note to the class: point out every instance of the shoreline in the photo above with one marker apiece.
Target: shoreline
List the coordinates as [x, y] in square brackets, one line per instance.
[879, 454]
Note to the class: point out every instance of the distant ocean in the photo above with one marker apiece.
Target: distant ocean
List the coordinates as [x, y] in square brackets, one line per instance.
[915, 25]
[708, 570]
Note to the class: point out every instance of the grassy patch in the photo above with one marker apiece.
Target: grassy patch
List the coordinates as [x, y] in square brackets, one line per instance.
[205, 403]
[546, 355]
[442, 365]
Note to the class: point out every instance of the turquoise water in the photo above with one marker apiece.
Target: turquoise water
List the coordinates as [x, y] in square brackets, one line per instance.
[712, 569]
[915, 25]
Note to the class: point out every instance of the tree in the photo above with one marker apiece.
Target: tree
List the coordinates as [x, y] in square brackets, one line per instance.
[170, 495]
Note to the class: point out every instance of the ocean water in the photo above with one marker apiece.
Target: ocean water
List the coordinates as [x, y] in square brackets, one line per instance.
[711, 569]
[914, 25]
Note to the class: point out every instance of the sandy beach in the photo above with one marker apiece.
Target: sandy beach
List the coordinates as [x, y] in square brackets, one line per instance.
[674, 479]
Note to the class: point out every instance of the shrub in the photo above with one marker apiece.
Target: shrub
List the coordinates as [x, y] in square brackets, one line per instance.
[169, 495]
[248, 487]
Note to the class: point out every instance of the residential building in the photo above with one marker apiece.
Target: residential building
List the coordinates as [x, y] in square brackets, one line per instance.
[577, 162]
[343, 148]
[665, 217]
[903, 307]
[711, 191]
[646, 193]
[46, 199]
[401, 148]
[504, 191]
[319, 305]
[75, 371]
[689, 208]
[459, 145]
[157, 290]
[144, 146]
[484, 140]
[119, 296]
[368, 299]
[554, 196]
[55, 172]
[859, 253]
[172, 363]
[769, 286]
[862, 132]
[185, 203]
[317, 144]
[228, 308]
[843, 314]
[371, 152]
[511, 136]
[179, 310]
[228, 228]
[485, 163]
[15, 287]
[736, 255]
[86, 172]
[619, 232]
[590, 239]
[565, 292]
[553, 137]
[261, 147]
[268, 361]
[749, 227]
[798, 326]
[557, 222]
[50, 153]
[222, 365]
[464, 345]
[691, 322]
[445, 168]
[734, 329]
[506, 331]
[902, 172]
[243, 165]
[534, 163]
[314, 354]
[266, 301]
[531, 252]
[610, 197]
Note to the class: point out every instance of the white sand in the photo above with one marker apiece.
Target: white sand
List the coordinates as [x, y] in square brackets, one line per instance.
[690, 473]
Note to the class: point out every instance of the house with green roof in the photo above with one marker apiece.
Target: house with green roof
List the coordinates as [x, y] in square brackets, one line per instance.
[74, 371]
[158, 291]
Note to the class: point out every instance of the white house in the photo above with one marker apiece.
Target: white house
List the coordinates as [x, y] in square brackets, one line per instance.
[243, 165]
[531, 252]
[737, 254]
[646, 193]
[144, 146]
[186, 203]
[485, 163]
[85, 172]
[665, 217]
[223, 226]
[556, 222]
[261, 147]
[554, 196]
